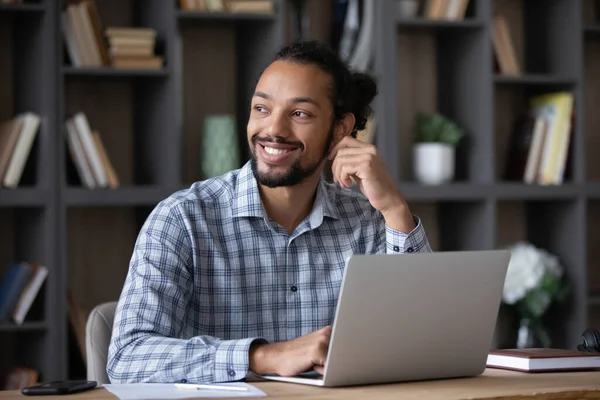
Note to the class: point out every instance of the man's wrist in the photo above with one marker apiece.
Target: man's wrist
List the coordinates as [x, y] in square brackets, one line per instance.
[399, 217]
[259, 358]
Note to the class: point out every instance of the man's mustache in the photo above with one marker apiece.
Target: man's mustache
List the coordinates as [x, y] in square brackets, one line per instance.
[277, 139]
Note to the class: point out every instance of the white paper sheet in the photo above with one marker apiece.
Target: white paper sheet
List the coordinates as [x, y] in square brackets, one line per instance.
[160, 391]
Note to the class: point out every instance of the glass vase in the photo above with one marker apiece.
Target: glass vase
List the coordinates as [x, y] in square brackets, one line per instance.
[532, 334]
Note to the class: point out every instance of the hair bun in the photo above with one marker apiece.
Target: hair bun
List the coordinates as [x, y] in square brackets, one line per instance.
[366, 90]
[365, 84]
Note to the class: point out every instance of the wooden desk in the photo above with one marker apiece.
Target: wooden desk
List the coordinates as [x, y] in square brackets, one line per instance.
[493, 384]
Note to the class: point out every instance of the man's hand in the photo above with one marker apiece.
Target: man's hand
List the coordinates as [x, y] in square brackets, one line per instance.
[292, 357]
[361, 161]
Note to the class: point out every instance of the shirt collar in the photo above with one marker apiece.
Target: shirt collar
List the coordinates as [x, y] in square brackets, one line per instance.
[247, 202]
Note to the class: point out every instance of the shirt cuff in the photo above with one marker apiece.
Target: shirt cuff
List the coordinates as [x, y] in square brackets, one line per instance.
[413, 242]
[232, 359]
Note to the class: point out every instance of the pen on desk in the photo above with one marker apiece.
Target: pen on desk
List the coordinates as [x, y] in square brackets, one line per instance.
[210, 387]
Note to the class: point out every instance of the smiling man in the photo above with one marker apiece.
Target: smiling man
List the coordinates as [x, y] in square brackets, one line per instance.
[241, 273]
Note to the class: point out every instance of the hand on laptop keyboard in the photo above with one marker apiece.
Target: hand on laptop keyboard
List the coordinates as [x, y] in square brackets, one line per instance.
[293, 357]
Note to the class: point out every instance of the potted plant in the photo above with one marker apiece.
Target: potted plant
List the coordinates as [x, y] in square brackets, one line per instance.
[436, 138]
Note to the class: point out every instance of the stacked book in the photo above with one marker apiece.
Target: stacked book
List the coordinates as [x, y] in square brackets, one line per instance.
[540, 144]
[505, 56]
[234, 6]
[82, 30]
[88, 44]
[89, 154]
[17, 136]
[20, 286]
[445, 9]
[133, 47]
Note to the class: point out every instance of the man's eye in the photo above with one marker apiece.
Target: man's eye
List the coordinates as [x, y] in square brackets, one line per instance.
[300, 114]
[259, 108]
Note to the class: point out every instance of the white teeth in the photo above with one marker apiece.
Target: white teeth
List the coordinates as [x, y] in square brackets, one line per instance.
[273, 151]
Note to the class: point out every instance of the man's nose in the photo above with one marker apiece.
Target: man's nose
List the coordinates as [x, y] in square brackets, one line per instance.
[278, 125]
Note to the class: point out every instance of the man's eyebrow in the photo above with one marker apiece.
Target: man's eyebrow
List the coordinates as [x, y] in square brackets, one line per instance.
[305, 100]
[262, 94]
[294, 100]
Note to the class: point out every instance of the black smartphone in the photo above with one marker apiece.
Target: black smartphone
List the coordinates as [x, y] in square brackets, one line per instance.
[59, 387]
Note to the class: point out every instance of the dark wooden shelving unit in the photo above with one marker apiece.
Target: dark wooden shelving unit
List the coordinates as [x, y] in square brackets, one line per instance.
[225, 16]
[114, 72]
[152, 121]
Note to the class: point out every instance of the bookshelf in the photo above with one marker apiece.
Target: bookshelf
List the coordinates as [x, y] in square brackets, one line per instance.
[151, 124]
[28, 213]
[448, 66]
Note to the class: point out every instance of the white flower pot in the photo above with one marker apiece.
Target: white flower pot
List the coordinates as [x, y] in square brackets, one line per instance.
[408, 8]
[433, 163]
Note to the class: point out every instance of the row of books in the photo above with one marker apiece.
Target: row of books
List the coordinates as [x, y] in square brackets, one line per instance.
[89, 154]
[85, 146]
[20, 286]
[445, 9]
[19, 377]
[503, 47]
[540, 142]
[17, 136]
[89, 44]
[234, 6]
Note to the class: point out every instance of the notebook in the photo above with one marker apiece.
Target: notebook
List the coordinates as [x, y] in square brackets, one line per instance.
[542, 359]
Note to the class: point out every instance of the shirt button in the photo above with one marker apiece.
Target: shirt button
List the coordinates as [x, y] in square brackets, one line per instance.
[294, 288]
[184, 380]
[410, 250]
[231, 372]
[396, 248]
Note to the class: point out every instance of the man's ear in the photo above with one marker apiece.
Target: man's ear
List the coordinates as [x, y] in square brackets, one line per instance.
[344, 127]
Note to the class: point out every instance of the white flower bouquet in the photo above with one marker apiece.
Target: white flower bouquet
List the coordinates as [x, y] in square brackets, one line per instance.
[534, 280]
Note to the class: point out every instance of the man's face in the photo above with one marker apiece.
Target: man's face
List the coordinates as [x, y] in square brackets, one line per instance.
[290, 124]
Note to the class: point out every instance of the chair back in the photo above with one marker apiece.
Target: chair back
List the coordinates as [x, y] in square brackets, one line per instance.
[98, 331]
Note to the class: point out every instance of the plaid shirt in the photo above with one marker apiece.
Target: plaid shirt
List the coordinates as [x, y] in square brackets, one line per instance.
[210, 273]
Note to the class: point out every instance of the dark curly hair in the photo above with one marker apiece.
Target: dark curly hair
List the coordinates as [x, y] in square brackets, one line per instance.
[350, 92]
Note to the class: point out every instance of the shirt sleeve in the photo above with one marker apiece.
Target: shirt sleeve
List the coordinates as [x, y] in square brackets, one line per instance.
[148, 342]
[414, 242]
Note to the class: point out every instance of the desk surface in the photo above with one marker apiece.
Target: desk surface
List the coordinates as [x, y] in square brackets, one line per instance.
[492, 384]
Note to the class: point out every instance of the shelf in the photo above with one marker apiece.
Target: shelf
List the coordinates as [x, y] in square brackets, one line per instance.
[594, 299]
[592, 29]
[23, 197]
[124, 196]
[534, 79]
[453, 191]
[523, 191]
[223, 16]
[26, 327]
[22, 8]
[113, 72]
[423, 23]
[593, 190]
[501, 191]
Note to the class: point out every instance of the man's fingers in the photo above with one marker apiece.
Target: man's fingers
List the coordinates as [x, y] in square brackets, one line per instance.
[348, 141]
[344, 167]
[351, 171]
[320, 369]
[350, 150]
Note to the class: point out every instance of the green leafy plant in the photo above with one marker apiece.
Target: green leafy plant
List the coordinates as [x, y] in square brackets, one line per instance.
[436, 128]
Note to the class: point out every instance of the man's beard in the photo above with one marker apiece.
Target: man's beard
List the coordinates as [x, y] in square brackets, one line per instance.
[295, 175]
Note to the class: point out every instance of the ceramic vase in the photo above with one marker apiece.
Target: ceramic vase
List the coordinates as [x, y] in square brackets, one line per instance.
[219, 151]
[433, 163]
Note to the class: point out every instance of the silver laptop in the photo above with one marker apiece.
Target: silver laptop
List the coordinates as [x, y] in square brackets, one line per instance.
[410, 317]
